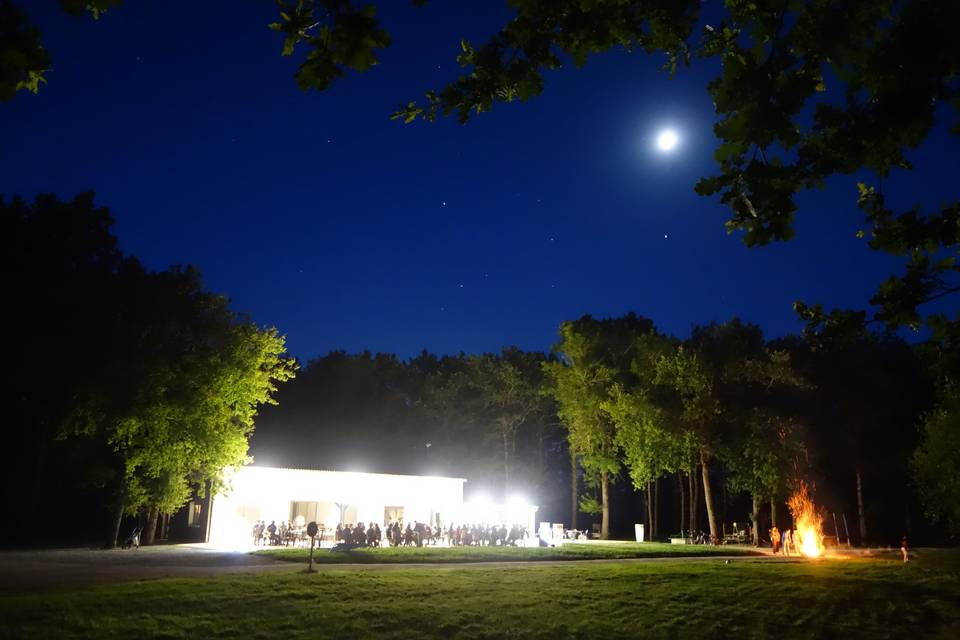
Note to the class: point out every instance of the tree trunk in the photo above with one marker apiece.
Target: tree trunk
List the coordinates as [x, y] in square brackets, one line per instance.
[574, 506]
[605, 497]
[539, 475]
[860, 510]
[773, 512]
[694, 499]
[506, 467]
[649, 535]
[656, 507]
[708, 496]
[683, 503]
[755, 517]
[113, 531]
[150, 529]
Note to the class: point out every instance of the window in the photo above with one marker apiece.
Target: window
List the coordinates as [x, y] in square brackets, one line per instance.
[194, 514]
[392, 514]
[306, 510]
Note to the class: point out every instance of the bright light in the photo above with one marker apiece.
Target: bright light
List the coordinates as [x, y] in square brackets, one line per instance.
[667, 140]
[518, 501]
[479, 499]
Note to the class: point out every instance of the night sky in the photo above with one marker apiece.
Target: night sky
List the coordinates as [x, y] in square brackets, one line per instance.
[317, 214]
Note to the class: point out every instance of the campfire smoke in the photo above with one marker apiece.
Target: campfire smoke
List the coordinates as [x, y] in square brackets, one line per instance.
[808, 523]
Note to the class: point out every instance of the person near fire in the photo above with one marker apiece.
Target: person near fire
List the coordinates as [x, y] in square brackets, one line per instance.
[788, 542]
[775, 539]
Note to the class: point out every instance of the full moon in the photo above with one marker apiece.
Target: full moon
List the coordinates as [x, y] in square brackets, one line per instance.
[667, 140]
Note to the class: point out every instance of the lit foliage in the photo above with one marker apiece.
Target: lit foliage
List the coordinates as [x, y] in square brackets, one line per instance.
[594, 355]
[647, 430]
[22, 58]
[175, 403]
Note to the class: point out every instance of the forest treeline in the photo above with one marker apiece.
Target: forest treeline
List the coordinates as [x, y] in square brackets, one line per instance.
[134, 389]
[674, 427]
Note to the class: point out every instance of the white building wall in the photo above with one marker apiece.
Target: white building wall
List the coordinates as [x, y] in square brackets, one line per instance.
[265, 493]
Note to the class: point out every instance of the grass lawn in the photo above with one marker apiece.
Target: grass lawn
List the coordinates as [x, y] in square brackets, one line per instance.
[593, 551]
[749, 597]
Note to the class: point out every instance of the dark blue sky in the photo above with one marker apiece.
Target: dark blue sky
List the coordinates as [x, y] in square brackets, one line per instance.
[317, 214]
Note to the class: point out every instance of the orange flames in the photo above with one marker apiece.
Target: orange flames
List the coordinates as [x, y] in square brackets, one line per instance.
[808, 535]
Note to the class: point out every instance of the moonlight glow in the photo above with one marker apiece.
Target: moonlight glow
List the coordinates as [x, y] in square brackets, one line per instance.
[667, 140]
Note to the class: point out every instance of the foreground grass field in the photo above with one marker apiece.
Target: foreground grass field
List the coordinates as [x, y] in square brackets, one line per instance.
[592, 551]
[700, 598]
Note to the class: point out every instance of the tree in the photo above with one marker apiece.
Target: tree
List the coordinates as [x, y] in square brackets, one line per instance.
[650, 447]
[936, 463]
[500, 394]
[761, 459]
[862, 424]
[722, 377]
[175, 403]
[592, 356]
[647, 432]
[59, 275]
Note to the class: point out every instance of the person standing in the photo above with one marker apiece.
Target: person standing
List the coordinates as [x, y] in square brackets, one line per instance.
[904, 548]
[775, 539]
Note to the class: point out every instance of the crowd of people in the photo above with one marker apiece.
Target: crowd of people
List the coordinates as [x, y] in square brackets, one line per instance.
[417, 534]
[420, 534]
[359, 535]
[286, 533]
[486, 536]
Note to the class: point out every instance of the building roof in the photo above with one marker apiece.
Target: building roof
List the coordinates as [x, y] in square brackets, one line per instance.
[363, 473]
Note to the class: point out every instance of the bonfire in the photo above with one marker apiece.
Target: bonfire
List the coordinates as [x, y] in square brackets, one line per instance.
[808, 533]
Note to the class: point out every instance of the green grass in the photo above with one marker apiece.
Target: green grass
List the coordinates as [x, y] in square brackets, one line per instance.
[597, 551]
[702, 598]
